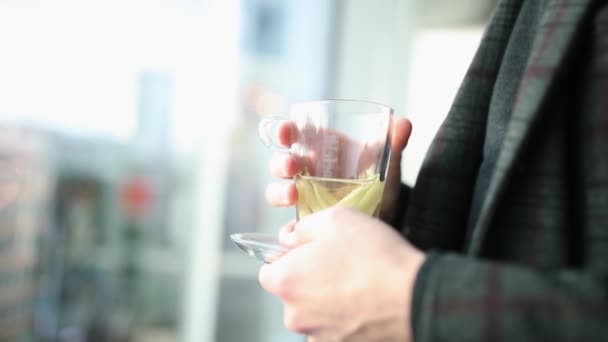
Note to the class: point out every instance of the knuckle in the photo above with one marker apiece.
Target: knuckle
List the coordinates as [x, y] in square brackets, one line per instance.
[284, 284]
[278, 281]
[293, 322]
[264, 278]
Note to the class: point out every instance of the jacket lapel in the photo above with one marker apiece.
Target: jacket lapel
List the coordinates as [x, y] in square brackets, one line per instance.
[440, 202]
[558, 29]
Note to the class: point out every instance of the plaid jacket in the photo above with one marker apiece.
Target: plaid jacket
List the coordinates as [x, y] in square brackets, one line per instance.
[535, 266]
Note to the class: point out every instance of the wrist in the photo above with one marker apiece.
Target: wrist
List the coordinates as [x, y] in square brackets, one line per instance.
[412, 262]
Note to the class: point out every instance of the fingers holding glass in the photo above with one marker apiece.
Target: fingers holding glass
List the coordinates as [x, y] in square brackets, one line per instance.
[281, 194]
[286, 133]
[284, 166]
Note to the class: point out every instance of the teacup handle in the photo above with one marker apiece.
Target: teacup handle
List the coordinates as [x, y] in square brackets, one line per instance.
[267, 132]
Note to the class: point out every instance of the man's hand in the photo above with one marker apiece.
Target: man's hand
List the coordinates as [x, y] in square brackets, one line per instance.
[286, 166]
[349, 277]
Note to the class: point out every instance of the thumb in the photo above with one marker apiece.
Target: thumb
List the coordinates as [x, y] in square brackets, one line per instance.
[402, 129]
[322, 225]
[307, 229]
[300, 234]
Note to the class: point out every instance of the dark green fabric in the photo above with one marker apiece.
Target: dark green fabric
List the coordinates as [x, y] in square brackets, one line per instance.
[508, 81]
[439, 205]
[536, 265]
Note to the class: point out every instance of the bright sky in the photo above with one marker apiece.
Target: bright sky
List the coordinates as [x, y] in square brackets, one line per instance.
[74, 64]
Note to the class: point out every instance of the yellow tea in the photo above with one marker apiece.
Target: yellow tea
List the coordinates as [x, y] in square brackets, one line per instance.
[316, 193]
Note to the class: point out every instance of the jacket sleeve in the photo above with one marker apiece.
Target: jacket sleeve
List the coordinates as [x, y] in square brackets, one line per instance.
[457, 298]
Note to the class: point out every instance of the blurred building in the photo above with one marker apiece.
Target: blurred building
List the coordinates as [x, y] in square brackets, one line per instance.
[109, 218]
[25, 194]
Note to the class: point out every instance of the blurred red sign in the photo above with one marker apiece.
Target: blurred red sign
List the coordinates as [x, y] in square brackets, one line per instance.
[137, 196]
